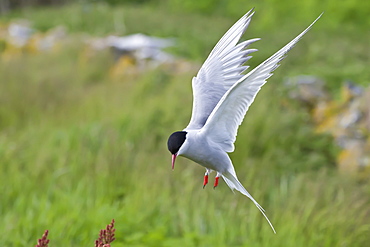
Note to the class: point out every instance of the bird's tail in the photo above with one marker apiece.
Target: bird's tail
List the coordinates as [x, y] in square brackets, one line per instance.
[234, 183]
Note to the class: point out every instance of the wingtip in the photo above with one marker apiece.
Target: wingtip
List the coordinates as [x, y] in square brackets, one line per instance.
[317, 19]
[249, 14]
[305, 31]
[247, 19]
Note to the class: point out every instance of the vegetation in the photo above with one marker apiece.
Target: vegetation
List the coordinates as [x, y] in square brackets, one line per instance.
[79, 147]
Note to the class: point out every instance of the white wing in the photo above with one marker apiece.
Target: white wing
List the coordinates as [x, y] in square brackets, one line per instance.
[220, 71]
[222, 125]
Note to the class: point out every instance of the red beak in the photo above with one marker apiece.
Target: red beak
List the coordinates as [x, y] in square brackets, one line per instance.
[173, 160]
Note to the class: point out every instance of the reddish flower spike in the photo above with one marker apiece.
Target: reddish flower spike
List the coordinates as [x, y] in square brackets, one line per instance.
[106, 236]
[44, 241]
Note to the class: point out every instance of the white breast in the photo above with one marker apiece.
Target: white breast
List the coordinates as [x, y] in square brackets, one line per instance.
[199, 149]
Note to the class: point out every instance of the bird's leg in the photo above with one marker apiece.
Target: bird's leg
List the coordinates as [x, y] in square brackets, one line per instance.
[205, 181]
[216, 180]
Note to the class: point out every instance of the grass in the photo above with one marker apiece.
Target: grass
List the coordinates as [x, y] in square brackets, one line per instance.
[78, 147]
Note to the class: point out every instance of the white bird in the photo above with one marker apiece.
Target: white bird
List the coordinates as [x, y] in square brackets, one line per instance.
[222, 95]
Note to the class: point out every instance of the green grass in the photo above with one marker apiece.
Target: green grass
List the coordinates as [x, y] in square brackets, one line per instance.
[78, 147]
[336, 41]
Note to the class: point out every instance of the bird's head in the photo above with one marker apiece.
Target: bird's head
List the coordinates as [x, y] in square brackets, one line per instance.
[174, 143]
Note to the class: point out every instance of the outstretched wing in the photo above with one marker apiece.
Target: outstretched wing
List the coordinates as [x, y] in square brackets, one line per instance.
[222, 125]
[220, 71]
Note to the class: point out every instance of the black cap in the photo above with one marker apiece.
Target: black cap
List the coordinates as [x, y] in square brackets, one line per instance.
[175, 141]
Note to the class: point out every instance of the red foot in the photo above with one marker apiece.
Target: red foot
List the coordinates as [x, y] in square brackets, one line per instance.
[205, 181]
[216, 182]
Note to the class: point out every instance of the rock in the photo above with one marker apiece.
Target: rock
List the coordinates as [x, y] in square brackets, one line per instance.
[347, 119]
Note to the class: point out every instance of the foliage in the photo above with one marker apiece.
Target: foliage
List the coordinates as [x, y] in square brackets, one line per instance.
[349, 12]
[43, 241]
[106, 236]
[79, 147]
[347, 40]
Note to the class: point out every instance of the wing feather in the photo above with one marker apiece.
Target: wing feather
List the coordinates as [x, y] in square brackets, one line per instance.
[222, 124]
[220, 71]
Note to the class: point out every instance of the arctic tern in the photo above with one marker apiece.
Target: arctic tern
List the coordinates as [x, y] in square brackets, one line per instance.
[222, 94]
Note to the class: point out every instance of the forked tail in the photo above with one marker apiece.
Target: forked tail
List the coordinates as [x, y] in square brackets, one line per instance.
[234, 183]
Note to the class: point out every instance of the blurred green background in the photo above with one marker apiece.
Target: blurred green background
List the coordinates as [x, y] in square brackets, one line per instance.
[80, 145]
